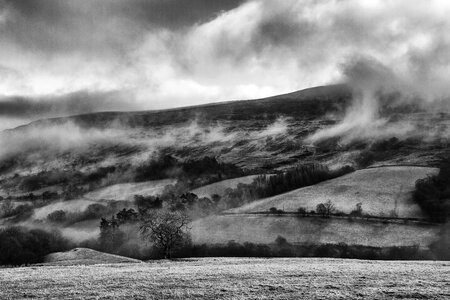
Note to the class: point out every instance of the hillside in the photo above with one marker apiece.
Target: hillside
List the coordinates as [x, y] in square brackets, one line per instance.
[380, 190]
[307, 103]
[259, 135]
[69, 166]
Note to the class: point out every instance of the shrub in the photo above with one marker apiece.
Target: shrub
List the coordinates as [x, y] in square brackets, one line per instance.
[58, 216]
[111, 237]
[274, 210]
[325, 209]
[145, 203]
[6, 209]
[127, 216]
[282, 248]
[357, 212]
[92, 212]
[22, 212]
[302, 211]
[20, 246]
[433, 193]
[47, 195]
[321, 209]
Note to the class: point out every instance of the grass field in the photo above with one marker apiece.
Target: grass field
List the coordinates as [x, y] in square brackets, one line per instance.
[233, 278]
[220, 187]
[126, 191]
[266, 228]
[377, 189]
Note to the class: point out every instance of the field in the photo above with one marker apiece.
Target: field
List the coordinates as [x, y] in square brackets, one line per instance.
[380, 190]
[233, 278]
[266, 228]
[220, 187]
[126, 191]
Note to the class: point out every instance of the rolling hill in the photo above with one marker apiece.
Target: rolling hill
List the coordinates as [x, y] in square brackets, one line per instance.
[380, 190]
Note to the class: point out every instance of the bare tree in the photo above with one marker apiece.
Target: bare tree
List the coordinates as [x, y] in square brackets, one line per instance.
[166, 229]
[329, 206]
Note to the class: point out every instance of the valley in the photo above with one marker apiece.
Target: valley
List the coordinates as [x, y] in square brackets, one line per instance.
[206, 158]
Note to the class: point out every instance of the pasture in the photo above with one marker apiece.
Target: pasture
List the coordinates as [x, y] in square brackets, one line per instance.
[265, 228]
[381, 190]
[233, 278]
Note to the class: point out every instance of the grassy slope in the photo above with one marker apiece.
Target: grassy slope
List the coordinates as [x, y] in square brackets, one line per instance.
[126, 191]
[69, 206]
[376, 188]
[266, 228]
[220, 187]
[233, 278]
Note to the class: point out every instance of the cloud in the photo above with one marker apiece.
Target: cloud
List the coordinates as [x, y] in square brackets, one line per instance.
[74, 103]
[172, 53]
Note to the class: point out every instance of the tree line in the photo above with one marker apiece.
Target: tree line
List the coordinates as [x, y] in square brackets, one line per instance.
[433, 194]
[23, 246]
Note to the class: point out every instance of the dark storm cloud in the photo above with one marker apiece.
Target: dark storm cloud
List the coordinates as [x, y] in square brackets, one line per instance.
[73, 103]
[67, 25]
[176, 13]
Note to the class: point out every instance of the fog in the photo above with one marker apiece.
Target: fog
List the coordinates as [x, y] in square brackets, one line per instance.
[49, 145]
[377, 88]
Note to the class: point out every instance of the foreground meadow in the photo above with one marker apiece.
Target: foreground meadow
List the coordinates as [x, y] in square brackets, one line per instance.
[237, 278]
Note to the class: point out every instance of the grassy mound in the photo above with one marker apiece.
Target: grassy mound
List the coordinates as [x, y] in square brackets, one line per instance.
[84, 256]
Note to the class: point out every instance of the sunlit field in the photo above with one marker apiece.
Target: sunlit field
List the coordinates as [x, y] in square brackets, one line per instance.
[233, 278]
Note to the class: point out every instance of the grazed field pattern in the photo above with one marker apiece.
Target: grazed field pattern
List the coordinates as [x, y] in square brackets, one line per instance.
[233, 278]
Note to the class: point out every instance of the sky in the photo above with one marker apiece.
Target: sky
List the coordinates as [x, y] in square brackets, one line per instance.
[63, 57]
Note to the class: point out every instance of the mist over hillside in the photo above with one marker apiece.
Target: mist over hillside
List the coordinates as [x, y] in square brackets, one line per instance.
[68, 173]
[269, 133]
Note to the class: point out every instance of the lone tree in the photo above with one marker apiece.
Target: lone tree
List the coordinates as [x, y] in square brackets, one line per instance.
[166, 229]
[358, 211]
